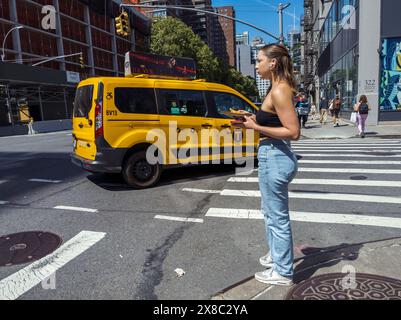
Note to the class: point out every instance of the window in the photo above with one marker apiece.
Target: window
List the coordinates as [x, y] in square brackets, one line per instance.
[135, 100]
[183, 102]
[83, 101]
[225, 101]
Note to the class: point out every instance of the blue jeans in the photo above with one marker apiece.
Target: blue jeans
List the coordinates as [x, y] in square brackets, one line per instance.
[278, 166]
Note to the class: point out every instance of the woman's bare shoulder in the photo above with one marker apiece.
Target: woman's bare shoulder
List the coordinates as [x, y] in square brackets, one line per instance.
[281, 90]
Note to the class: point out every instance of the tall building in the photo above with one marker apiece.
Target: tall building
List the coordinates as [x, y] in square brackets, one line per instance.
[242, 38]
[263, 85]
[245, 61]
[223, 41]
[357, 47]
[294, 42]
[49, 88]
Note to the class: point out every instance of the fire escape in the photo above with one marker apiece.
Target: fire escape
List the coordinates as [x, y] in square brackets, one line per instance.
[310, 45]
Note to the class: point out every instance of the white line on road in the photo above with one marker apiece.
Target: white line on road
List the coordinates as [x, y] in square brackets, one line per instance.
[3, 202]
[347, 162]
[75, 209]
[363, 183]
[45, 180]
[24, 280]
[340, 170]
[346, 148]
[306, 155]
[347, 152]
[313, 217]
[179, 219]
[323, 196]
[200, 190]
[3, 181]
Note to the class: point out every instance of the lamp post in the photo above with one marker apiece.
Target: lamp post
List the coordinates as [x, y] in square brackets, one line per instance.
[4, 41]
[281, 8]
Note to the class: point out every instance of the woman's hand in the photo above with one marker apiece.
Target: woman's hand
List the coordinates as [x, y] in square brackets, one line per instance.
[250, 122]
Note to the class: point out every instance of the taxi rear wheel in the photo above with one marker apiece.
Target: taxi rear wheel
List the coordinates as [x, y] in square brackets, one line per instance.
[139, 173]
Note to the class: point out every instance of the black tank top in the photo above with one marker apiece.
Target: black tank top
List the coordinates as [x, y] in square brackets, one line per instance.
[268, 119]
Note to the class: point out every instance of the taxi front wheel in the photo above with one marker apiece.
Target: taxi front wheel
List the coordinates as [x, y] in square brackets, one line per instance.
[139, 173]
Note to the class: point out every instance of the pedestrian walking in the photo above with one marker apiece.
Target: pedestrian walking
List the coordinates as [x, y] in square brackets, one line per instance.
[277, 124]
[303, 110]
[362, 108]
[324, 109]
[336, 110]
[313, 111]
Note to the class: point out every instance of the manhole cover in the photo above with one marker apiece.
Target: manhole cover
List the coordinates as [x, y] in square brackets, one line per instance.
[330, 287]
[26, 247]
[359, 178]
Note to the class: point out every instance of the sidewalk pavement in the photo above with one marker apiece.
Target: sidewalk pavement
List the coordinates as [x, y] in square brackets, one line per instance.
[326, 274]
[347, 130]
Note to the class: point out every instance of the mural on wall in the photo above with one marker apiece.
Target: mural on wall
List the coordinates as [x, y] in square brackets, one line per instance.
[390, 87]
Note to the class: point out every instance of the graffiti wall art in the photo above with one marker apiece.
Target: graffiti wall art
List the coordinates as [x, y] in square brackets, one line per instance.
[390, 86]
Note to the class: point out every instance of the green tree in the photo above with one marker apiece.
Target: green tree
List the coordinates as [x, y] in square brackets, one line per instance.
[172, 37]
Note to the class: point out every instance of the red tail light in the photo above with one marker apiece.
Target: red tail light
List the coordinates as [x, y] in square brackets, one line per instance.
[98, 119]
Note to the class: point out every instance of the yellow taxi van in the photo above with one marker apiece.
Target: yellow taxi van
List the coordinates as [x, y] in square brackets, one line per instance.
[113, 118]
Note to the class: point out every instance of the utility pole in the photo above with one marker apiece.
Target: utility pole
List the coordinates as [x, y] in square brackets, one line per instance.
[281, 8]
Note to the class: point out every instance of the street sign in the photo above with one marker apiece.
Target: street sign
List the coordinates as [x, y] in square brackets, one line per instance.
[73, 77]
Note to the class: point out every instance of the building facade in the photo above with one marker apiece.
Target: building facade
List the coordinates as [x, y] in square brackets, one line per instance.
[245, 61]
[263, 84]
[242, 38]
[357, 46]
[49, 88]
[223, 40]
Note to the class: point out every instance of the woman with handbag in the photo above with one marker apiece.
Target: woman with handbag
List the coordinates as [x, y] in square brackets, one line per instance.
[362, 108]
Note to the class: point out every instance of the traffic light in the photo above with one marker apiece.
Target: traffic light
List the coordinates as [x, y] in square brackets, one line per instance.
[122, 24]
[81, 61]
[119, 25]
[125, 24]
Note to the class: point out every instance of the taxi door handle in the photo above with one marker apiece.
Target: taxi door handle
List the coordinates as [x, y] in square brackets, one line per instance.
[207, 125]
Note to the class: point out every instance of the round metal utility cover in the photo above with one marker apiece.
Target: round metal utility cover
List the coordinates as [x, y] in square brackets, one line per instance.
[359, 178]
[332, 287]
[26, 247]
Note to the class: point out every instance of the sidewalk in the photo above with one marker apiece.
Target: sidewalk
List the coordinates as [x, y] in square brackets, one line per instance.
[322, 274]
[348, 130]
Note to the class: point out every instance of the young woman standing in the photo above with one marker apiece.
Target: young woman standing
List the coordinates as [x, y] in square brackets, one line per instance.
[277, 123]
[362, 108]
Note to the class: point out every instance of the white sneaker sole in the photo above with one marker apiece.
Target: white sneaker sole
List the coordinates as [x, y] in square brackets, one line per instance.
[276, 282]
[267, 265]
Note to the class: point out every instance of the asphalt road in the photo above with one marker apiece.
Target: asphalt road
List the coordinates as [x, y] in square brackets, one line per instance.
[120, 243]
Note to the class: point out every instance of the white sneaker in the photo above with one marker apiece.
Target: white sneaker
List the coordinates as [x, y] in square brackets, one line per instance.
[266, 261]
[272, 277]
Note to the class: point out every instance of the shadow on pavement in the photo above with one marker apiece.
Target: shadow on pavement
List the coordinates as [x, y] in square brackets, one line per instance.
[317, 258]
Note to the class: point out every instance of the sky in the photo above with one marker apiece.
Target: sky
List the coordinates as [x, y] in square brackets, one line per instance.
[263, 14]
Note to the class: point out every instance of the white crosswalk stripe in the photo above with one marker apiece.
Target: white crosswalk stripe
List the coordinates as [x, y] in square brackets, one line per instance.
[321, 159]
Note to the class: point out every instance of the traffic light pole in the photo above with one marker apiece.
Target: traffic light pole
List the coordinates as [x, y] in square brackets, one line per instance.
[281, 8]
[59, 57]
[203, 11]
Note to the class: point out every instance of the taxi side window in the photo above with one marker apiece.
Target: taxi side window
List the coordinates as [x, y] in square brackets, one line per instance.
[183, 102]
[83, 101]
[135, 100]
[226, 101]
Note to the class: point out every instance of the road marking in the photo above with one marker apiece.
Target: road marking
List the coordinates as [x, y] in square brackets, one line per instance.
[305, 155]
[44, 180]
[348, 162]
[323, 196]
[3, 202]
[338, 170]
[3, 181]
[76, 209]
[24, 280]
[313, 217]
[346, 148]
[329, 182]
[347, 152]
[179, 219]
[200, 190]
